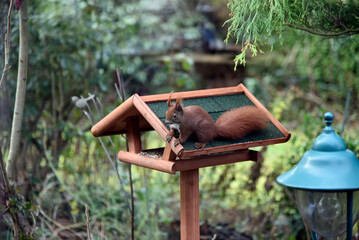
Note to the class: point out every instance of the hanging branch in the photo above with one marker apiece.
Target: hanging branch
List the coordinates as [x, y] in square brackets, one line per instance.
[324, 34]
[7, 45]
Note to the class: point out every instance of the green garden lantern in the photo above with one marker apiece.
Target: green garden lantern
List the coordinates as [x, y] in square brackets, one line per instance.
[326, 184]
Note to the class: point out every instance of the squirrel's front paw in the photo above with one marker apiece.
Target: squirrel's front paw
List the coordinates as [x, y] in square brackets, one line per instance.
[176, 142]
[168, 137]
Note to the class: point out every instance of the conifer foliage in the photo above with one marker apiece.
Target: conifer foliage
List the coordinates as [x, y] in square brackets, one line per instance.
[256, 23]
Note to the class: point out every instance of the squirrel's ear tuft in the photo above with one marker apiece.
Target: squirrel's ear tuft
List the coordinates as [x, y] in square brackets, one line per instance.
[179, 105]
[179, 100]
[169, 99]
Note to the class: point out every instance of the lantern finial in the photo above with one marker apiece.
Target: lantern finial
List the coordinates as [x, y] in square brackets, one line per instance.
[328, 118]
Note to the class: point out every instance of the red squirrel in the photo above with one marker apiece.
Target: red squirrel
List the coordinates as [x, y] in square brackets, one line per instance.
[233, 124]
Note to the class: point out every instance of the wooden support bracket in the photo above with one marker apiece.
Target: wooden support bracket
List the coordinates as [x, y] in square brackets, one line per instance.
[168, 153]
[133, 135]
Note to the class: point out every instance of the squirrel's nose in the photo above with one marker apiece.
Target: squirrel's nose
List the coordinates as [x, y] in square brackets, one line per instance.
[167, 121]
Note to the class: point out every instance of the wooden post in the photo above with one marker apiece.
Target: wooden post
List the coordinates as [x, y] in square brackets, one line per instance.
[189, 185]
[133, 135]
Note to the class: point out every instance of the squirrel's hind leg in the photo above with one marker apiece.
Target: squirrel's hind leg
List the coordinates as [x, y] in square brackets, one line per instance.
[205, 132]
[199, 145]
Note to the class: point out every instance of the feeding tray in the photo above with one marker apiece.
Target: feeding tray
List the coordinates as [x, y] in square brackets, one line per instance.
[145, 113]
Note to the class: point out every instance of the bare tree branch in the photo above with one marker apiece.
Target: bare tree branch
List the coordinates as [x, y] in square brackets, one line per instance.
[333, 34]
[7, 45]
[89, 236]
[2, 168]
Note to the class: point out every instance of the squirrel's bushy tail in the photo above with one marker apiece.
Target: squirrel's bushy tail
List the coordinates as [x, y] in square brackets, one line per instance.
[238, 122]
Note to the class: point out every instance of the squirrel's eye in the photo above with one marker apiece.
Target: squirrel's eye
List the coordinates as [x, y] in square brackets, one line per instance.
[174, 115]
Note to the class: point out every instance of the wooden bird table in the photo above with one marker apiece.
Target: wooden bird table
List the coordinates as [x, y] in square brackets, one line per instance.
[144, 113]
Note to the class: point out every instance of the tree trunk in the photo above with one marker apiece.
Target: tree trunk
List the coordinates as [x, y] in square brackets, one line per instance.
[20, 91]
[20, 224]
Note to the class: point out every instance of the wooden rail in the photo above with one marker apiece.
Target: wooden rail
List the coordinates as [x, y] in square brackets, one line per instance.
[194, 94]
[147, 162]
[173, 166]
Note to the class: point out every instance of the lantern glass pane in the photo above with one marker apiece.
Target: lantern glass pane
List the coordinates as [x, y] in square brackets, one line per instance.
[326, 212]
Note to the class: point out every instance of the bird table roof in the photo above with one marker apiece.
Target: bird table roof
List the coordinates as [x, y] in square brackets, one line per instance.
[150, 112]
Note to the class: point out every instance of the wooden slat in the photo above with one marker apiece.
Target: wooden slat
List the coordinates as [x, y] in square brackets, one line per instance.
[156, 123]
[168, 154]
[110, 123]
[188, 164]
[267, 113]
[234, 147]
[214, 160]
[189, 187]
[147, 162]
[193, 94]
[133, 135]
